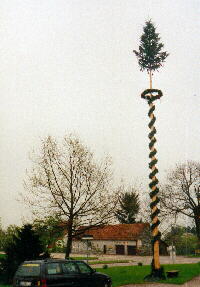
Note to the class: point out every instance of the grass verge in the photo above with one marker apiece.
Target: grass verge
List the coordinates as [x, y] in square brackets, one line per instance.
[122, 275]
[84, 258]
[108, 262]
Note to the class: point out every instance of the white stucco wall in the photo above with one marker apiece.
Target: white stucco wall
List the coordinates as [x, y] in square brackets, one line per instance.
[98, 246]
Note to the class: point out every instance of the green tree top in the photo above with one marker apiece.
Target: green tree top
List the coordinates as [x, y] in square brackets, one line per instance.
[128, 207]
[150, 55]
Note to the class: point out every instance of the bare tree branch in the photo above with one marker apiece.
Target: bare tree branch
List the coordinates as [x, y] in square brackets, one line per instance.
[180, 193]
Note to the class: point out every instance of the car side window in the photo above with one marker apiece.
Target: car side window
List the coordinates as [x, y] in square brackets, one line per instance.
[69, 268]
[53, 268]
[83, 267]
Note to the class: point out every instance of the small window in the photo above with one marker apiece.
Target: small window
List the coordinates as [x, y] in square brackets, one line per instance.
[84, 268]
[53, 268]
[69, 268]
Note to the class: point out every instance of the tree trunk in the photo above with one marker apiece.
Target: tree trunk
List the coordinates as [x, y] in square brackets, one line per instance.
[197, 224]
[69, 239]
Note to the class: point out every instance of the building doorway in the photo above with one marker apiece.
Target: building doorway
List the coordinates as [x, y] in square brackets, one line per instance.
[131, 250]
[120, 249]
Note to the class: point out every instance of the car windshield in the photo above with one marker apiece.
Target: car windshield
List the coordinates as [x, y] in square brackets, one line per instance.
[29, 269]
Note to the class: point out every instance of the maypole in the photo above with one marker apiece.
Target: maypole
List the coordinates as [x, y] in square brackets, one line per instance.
[157, 271]
[150, 58]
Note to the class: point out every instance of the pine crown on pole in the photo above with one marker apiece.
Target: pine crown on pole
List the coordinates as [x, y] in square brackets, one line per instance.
[150, 55]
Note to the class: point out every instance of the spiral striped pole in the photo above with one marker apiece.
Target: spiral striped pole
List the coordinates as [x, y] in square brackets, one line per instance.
[151, 95]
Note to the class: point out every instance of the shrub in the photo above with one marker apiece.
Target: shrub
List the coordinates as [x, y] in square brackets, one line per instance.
[24, 246]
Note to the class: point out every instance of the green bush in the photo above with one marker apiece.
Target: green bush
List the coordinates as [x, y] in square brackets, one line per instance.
[24, 246]
[185, 242]
[58, 249]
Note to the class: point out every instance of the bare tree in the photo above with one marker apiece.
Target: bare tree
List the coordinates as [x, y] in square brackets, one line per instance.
[67, 181]
[181, 193]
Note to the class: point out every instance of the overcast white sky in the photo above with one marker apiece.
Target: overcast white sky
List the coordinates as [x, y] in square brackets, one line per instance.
[68, 66]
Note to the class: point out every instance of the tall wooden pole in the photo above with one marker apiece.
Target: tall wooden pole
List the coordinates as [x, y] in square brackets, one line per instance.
[153, 186]
[150, 58]
[150, 96]
[150, 78]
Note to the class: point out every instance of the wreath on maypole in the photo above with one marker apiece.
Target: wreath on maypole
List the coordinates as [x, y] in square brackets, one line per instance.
[150, 57]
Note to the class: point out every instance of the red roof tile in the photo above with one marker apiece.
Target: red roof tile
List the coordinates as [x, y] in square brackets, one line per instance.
[118, 231]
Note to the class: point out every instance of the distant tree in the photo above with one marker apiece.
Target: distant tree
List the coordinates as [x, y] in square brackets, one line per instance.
[190, 229]
[66, 180]
[49, 229]
[2, 236]
[129, 206]
[6, 235]
[24, 246]
[185, 242]
[11, 231]
[181, 193]
[150, 55]
[146, 238]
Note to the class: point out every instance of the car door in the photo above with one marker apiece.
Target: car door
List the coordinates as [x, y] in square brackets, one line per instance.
[71, 274]
[53, 274]
[87, 276]
[58, 274]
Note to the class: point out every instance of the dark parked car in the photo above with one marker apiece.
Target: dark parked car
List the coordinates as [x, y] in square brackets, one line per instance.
[59, 273]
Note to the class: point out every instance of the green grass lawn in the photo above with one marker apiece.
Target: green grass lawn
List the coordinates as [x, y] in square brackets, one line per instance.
[135, 274]
[2, 255]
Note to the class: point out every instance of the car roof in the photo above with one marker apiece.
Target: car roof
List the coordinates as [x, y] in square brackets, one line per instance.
[51, 260]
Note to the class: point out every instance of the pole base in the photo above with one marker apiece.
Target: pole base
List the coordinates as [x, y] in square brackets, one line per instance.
[156, 275]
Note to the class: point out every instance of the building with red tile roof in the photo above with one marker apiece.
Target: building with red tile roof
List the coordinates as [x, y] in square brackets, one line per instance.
[118, 231]
[112, 239]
